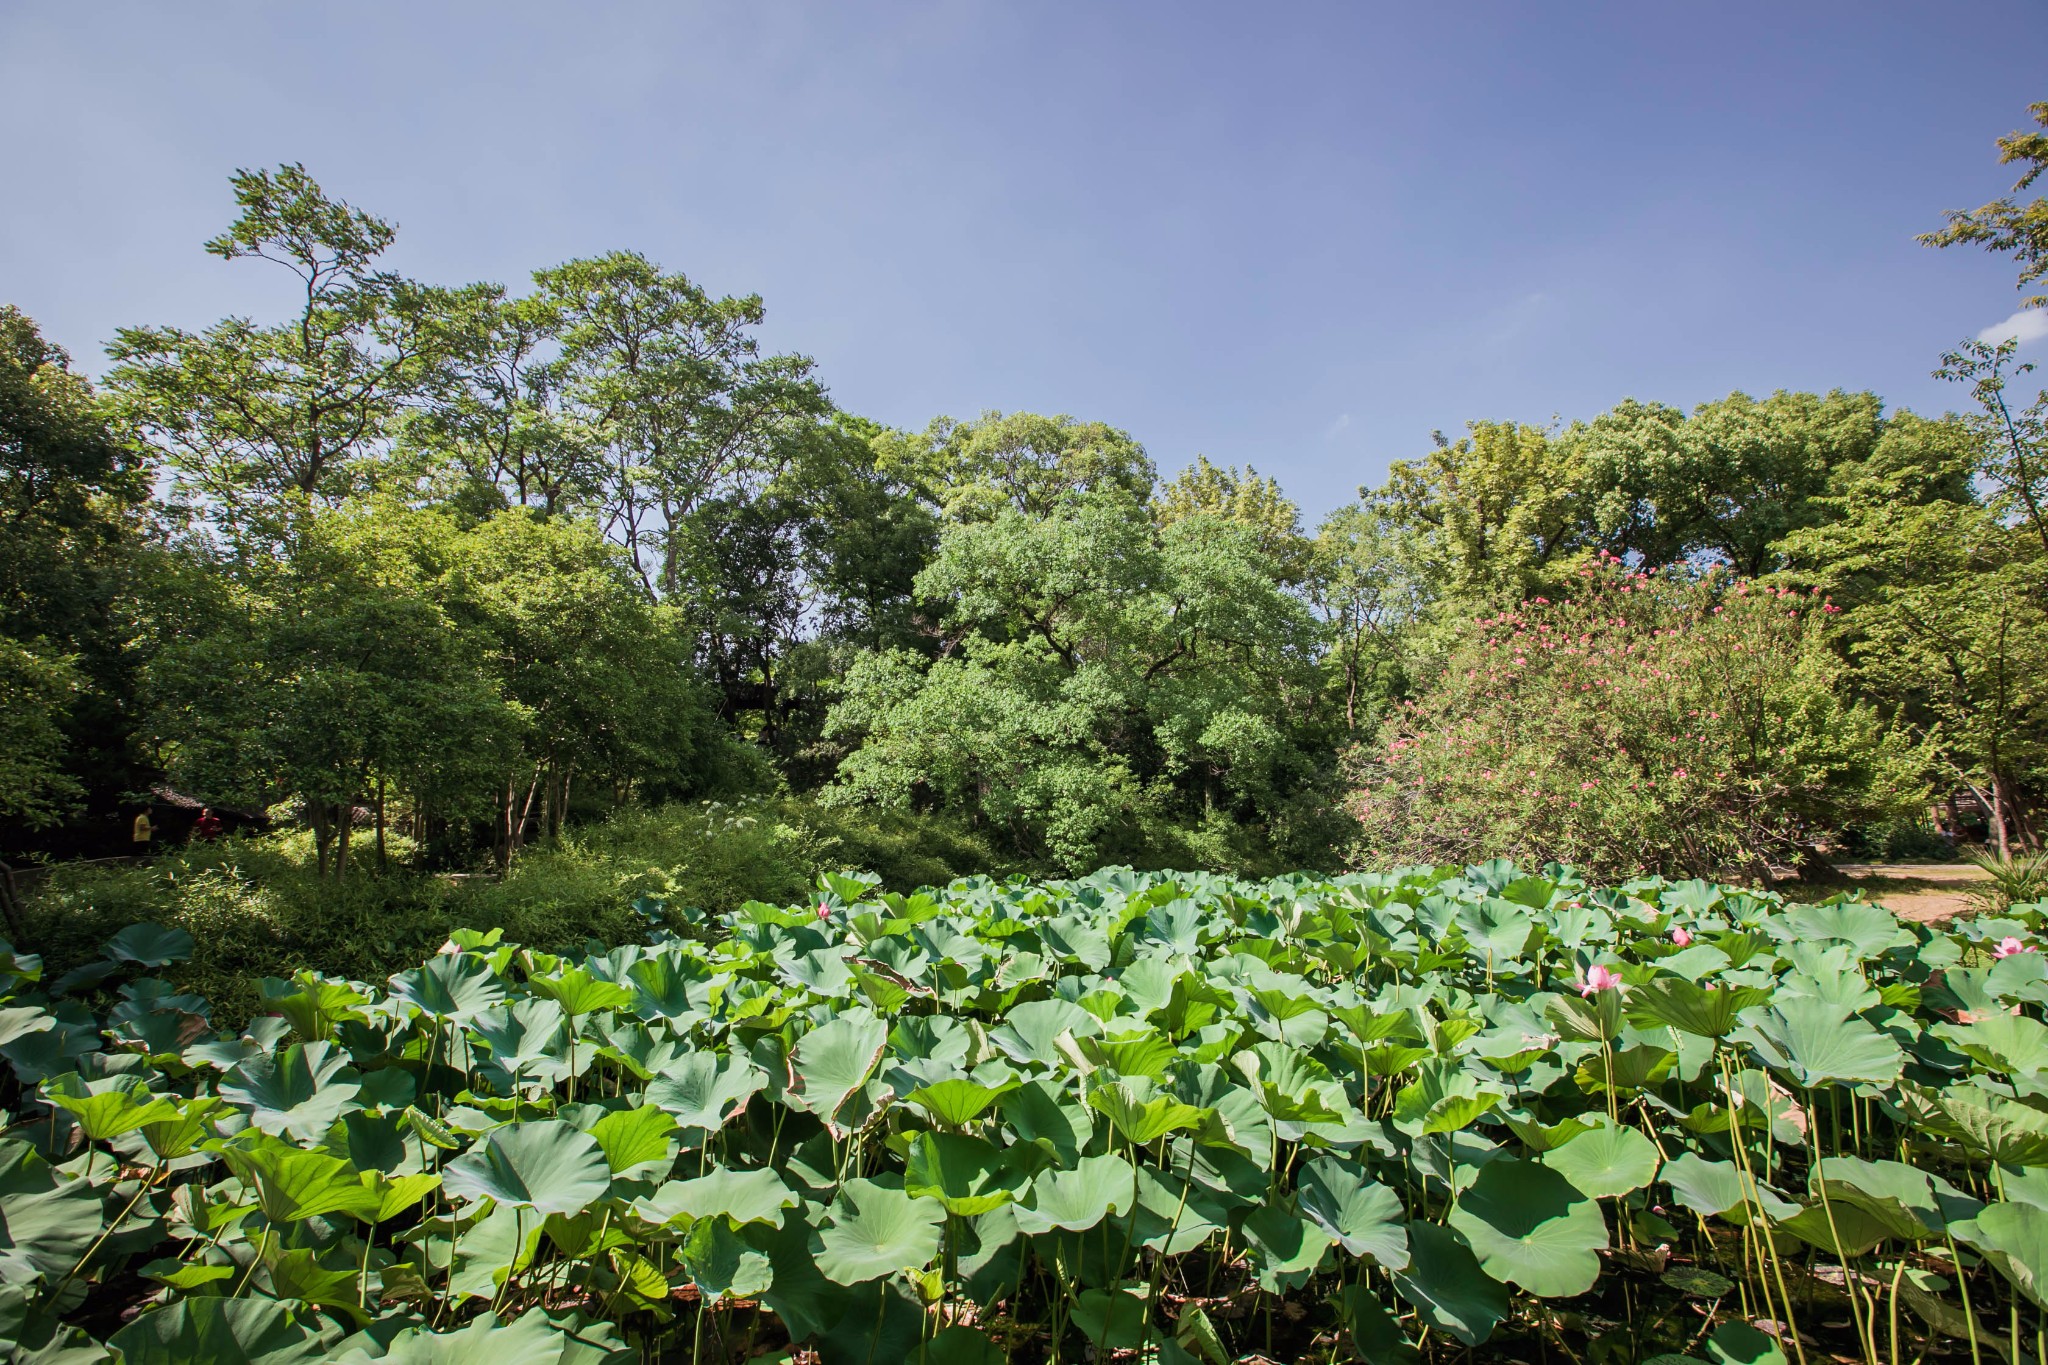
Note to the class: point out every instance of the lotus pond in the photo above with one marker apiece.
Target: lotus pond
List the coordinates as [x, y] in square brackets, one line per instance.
[1416, 1115]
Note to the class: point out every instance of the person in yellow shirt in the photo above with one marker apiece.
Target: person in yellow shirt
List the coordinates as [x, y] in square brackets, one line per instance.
[143, 829]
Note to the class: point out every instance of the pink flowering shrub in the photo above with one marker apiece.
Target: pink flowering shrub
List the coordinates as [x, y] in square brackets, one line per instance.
[1653, 722]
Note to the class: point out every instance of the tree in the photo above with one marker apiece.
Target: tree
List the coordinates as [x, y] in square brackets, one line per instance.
[319, 672]
[2007, 225]
[1650, 721]
[256, 420]
[1945, 601]
[1724, 483]
[1257, 502]
[972, 470]
[1500, 514]
[670, 386]
[1363, 583]
[1098, 670]
[596, 679]
[71, 506]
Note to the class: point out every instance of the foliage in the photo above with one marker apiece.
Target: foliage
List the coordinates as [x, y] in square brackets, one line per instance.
[1651, 720]
[69, 502]
[257, 907]
[1098, 666]
[1398, 1115]
[2007, 225]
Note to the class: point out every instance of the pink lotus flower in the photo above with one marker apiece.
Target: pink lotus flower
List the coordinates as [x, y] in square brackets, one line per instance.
[1681, 936]
[824, 911]
[2007, 947]
[1599, 979]
[448, 948]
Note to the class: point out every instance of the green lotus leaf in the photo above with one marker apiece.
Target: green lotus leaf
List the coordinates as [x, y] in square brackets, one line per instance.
[393, 1194]
[1112, 1320]
[47, 1221]
[1286, 1247]
[292, 1184]
[1041, 1112]
[1360, 1214]
[1030, 1032]
[637, 1142]
[968, 1175]
[1606, 1162]
[1869, 929]
[1738, 1343]
[1842, 1229]
[301, 1091]
[579, 993]
[224, 1331]
[1074, 1201]
[2010, 1043]
[1376, 1334]
[1445, 1283]
[1718, 1187]
[21, 1020]
[1822, 1042]
[706, 1090]
[958, 1101]
[757, 1196]
[1529, 1227]
[150, 945]
[834, 1060]
[722, 1264]
[872, 1231]
[2014, 1238]
[109, 1107]
[548, 1165]
[1913, 1204]
[451, 986]
[531, 1339]
[1140, 1116]
[962, 1345]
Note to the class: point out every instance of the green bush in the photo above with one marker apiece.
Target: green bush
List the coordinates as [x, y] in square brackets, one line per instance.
[256, 907]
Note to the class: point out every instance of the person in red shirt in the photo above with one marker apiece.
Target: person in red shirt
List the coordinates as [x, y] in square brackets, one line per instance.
[207, 826]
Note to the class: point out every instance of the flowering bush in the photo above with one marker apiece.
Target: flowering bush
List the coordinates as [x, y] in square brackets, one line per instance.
[1652, 721]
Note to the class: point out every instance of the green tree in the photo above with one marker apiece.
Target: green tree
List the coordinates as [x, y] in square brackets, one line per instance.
[1945, 615]
[317, 672]
[1249, 498]
[972, 470]
[1098, 671]
[2007, 225]
[1364, 585]
[71, 505]
[254, 420]
[669, 387]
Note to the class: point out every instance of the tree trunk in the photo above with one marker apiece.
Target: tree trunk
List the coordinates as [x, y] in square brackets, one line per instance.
[1998, 805]
[10, 906]
[347, 826]
[323, 835]
[380, 825]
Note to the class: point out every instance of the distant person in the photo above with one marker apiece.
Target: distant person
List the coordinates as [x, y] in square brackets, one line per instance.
[208, 825]
[143, 830]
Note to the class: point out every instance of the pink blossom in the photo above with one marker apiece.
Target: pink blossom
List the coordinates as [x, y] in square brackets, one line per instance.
[448, 948]
[824, 911]
[1681, 936]
[1599, 979]
[2008, 947]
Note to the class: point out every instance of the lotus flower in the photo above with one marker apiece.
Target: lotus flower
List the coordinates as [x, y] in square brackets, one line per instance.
[2008, 946]
[448, 949]
[1599, 979]
[1681, 936]
[824, 911]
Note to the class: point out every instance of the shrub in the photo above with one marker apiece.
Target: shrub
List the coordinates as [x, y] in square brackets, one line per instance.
[1672, 722]
[256, 907]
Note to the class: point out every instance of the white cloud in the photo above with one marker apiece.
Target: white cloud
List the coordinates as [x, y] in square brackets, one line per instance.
[1343, 421]
[2029, 324]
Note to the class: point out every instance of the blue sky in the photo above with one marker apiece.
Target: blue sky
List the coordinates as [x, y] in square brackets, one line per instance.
[1299, 236]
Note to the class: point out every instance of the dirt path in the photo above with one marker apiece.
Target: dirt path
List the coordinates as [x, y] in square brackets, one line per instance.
[1927, 893]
